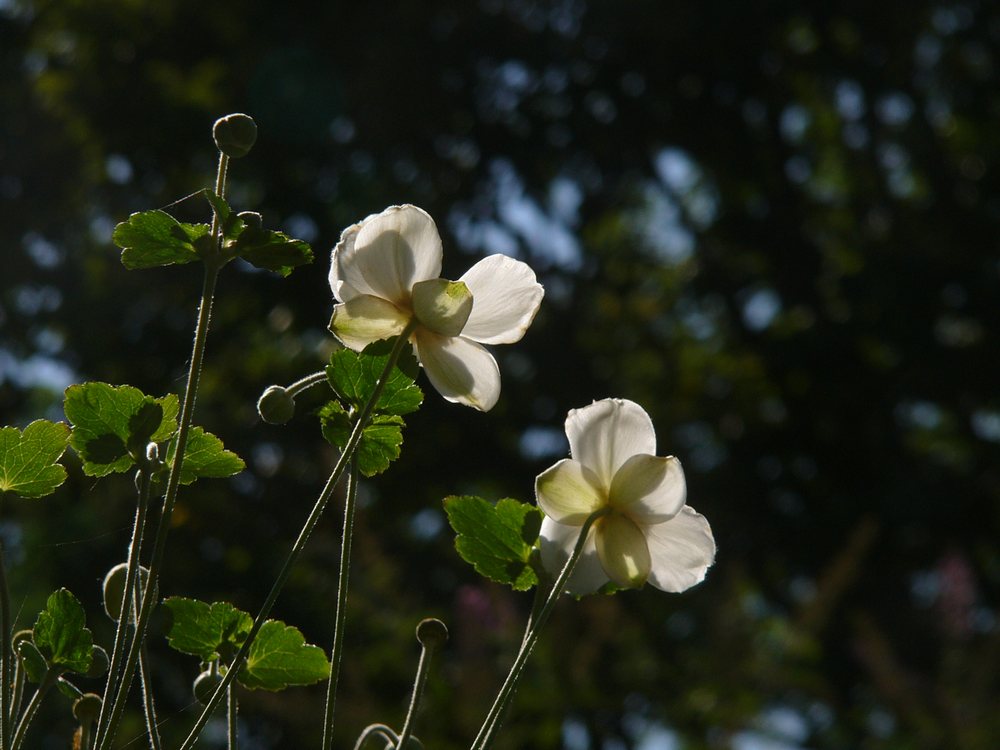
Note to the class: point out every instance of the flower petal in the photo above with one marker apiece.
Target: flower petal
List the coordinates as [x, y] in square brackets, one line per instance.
[649, 489]
[365, 319]
[568, 492]
[621, 547]
[506, 297]
[604, 435]
[557, 543]
[462, 371]
[442, 305]
[386, 254]
[682, 550]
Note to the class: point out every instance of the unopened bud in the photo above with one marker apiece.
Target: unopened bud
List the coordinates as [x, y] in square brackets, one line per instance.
[276, 405]
[252, 219]
[235, 135]
[432, 633]
[87, 708]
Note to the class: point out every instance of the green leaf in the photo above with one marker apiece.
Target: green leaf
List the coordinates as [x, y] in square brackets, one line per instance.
[271, 250]
[205, 458]
[380, 442]
[496, 539]
[155, 238]
[28, 459]
[32, 660]
[230, 223]
[208, 631]
[280, 657]
[113, 424]
[60, 633]
[353, 376]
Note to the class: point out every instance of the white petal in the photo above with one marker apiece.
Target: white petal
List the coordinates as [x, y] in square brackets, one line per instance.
[365, 319]
[682, 549]
[506, 297]
[462, 371]
[567, 492]
[441, 305]
[606, 434]
[557, 543]
[649, 489]
[621, 547]
[386, 254]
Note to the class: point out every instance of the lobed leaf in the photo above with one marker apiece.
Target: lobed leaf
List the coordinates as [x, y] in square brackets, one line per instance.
[353, 376]
[155, 238]
[270, 250]
[208, 631]
[28, 459]
[205, 458]
[380, 442]
[496, 540]
[61, 634]
[113, 424]
[280, 657]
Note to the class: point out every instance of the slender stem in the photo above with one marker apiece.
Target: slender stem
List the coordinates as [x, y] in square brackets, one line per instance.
[340, 613]
[32, 708]
[212, 267]
[490, 726]
[18, 693]
[382, 729]
[231, 712]
[128, 597]
[307, 382]
[85, 730]
[300, 542]
[419, 682]
[6, 657]
[149, 705]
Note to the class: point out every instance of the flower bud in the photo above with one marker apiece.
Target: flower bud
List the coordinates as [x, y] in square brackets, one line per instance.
[205, 685]
[252, 219]
[235, 135]
[98, 662]
[87, 708]
[432, 633]
[114, 587]
[276, 405]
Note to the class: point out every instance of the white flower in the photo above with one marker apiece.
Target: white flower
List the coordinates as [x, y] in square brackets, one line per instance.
[649, 533]
[385, 273]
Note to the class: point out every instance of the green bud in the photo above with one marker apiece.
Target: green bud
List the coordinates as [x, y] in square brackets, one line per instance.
[252, 219]
[87, 708]
[205, 686]
[98, 662]
[432, 633]
[276, 405]
[114, 587]
[235, 135]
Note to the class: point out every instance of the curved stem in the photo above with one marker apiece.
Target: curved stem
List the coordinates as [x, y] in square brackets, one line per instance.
[6, 657]
[386, 732]
[231, 712]
[300, 542]
[490, 726]
[306, 383]
[212, 267]
[127, 601]
[149, 705]
[340, 616]
[32, 708]
[419, 682]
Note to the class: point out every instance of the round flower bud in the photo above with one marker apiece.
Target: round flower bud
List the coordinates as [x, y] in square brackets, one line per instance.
[276, 405]
[87, 708]
[252, 219]
[235, 135]
[413, 744]
[98, 662]
[432, 633]
[114, 587]
[205, 685]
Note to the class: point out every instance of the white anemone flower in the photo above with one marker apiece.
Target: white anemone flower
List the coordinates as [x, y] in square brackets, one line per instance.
[385, 274]
[648, 533]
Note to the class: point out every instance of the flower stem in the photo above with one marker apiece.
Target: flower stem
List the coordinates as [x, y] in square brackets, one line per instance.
[231, 712]
[212, 267]
[128, 599]
[31, 709]
[340, 613]
[152, 730]
[300, 542]
[386, 732]
[492, 723]
[305, 383]
[419, 682]
[6, 657]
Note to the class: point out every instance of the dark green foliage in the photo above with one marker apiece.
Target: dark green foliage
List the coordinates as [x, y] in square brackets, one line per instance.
[28, 459]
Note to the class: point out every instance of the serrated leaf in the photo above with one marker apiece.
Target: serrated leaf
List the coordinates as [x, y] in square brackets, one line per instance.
[113, 424]
[280, 657]
[380, 442]
[353, 376]
[155, 238]
[32, 660]
[273, 251]
[208, 631]
[205, 458]
[496, 539]
[28, 459]
[229, 222]
[61, 634]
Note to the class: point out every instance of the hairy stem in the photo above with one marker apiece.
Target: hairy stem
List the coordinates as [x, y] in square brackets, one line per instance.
[419, 682]
[6, 658]
[380, 729]
[231, 712]
[300, 542]
[32, 708]
[340, 616]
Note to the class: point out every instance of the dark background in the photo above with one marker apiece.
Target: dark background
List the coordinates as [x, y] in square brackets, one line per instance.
[772, 224]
